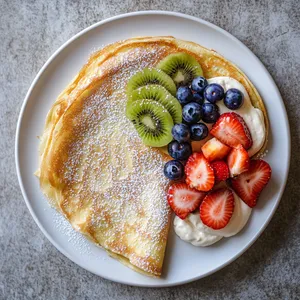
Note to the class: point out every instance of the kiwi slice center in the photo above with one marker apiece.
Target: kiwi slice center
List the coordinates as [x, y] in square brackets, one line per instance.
[181, 76]
[147, 121]
[150, 122]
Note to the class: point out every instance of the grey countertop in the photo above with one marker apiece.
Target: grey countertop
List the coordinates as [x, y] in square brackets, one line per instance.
[30, 266]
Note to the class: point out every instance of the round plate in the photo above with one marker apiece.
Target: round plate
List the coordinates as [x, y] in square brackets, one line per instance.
[183, 262]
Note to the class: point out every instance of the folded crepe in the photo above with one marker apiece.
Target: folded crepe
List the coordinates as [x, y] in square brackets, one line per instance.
[94, 168]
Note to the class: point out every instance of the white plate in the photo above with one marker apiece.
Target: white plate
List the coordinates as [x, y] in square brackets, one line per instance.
[183, 262]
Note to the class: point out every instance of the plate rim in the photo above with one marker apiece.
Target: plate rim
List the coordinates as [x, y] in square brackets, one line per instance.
[123, 16]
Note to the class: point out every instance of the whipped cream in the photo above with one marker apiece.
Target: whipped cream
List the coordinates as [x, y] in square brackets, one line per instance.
[192, 229]
[252, 116]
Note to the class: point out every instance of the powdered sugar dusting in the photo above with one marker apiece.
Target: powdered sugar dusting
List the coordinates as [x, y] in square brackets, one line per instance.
[115, 187]
[73, 237]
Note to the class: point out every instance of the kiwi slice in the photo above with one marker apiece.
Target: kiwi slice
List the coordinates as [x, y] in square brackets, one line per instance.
[181, 67]
[152, 122]
[151, 76]
[161, 95]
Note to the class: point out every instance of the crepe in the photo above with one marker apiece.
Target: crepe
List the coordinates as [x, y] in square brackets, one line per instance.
[93, 166]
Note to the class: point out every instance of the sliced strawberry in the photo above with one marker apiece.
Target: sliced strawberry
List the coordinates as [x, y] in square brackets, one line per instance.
[183, 199]
[221, 170]
[238, 161]
[214, 150]
[232, 130]
[199, 173]
[249, 185]
[217, 208]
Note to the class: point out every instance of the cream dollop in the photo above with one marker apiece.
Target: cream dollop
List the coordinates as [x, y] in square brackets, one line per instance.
[252, 116]
[193, 230]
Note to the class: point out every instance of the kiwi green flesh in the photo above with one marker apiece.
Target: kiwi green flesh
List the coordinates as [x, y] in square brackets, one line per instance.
[161, 95]
[148, 77]
[152, 122]
[181, 67]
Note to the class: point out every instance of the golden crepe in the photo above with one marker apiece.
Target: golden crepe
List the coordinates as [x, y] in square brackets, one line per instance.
[93, 166]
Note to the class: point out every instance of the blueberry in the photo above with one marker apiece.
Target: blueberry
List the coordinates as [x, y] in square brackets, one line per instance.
[180, 151]
[174, 170]
[210, 113]
[233, 99]
[199, 131]
[181, 132]
[184, 95]
[199, 84]
[198, 98]
[213, 93]
[192, 112]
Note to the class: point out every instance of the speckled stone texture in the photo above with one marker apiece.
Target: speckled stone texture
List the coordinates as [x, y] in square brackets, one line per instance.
[30, 266]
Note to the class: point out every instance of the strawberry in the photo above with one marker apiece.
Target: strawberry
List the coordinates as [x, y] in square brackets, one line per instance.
[232, 130]
[238, 161]
[217, 208]
[199, 173]
[214, 150]
[183, 199]
[249, 184]
[221, 170]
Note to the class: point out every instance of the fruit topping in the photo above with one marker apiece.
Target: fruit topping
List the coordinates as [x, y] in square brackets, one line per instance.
[192, 112]
[180, 151]
[151, 76]
[233, 99]
[199, 173]
[213, 149]
[183, 199]
[184, 95]
[210, 113]
[213, 93]
[161, 95]
[232, 130]
[217, 208]
[238, 161]
[181, 132]
[221, 170]
[249, 184]
[199, 84]
[181, 67]
[152, 122]
[174, 170]
[198, 131]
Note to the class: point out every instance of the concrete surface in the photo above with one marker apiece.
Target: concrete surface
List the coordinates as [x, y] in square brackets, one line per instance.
[30, 267]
